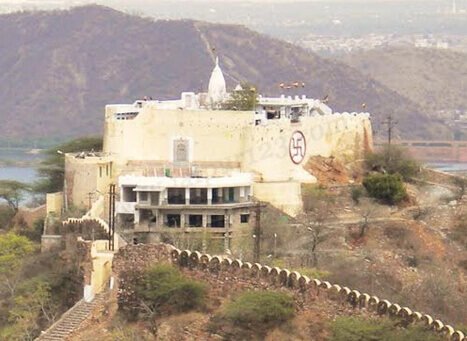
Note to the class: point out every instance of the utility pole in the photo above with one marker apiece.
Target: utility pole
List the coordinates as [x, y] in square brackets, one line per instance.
[111, 217]
[390, 123]
[257, 233]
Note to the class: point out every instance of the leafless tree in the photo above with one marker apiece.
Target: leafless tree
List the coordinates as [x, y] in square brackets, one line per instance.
[317, 214]
[368, 209]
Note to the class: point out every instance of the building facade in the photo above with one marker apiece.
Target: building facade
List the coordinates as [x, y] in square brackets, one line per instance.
[180, 161]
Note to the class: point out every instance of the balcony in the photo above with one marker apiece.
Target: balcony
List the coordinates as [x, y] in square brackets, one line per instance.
[125, 207]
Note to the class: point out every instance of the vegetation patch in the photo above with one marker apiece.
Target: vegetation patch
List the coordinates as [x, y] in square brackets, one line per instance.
[256, 309]
[388, 188]
[164, 290]
[252, 315]
[357, 192]
[35, 288]
[393, 160]
[359, 329]
[459, 233]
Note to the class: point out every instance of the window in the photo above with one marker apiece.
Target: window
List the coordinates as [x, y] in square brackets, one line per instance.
[100, 171]
[216, 195]
[155, 198]
[217, 221]
[244, 218]
[143, 196]
[129, 195]
[195, 220]
[231, 194]
[198, 196]
[180, 150]
[173, 220]
[176, 196]
[145, 215]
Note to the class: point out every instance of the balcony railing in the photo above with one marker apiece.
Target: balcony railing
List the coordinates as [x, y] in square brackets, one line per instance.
[125, 207]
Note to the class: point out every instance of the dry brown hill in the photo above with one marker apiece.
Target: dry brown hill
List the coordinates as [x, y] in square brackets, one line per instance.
[435, 79]
[60, 68]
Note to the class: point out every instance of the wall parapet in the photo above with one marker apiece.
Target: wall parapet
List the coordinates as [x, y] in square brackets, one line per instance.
[141, 256]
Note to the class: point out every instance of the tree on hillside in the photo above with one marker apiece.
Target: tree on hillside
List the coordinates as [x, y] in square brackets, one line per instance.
[13, 250]
[31, 305]
[13, 192]
[393, 159]
[244, 98]
[52, 169]
[317, 213]
[367, 211]
[389, 188]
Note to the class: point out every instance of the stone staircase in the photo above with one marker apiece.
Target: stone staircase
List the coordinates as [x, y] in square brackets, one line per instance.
[72, 319]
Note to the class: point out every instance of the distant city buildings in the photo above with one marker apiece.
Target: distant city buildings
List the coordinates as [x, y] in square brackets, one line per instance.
[341, 45]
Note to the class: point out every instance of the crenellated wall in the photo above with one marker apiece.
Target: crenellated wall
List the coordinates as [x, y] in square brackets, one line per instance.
[138, 257]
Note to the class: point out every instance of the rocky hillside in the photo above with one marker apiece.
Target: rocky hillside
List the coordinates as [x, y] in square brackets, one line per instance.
[60, 68]
[435, 79]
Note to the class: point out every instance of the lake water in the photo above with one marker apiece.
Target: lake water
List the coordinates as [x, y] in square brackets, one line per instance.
[16, 164]
[454, 168]
[22, 174]
[19, 156]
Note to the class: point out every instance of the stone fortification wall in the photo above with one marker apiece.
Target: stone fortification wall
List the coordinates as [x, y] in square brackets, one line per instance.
[234, 271]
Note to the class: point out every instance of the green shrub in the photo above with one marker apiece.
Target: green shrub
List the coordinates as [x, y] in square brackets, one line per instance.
[388, 188]
[6, 216]
[359, 329]
[356, 192]
[163, 288]
[393, 159]
[260, 308]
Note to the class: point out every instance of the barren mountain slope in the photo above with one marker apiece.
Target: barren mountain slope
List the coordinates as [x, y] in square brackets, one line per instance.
[60, 68]
[435, 79]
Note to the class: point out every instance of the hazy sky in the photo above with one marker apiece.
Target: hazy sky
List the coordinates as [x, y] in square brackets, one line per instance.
[129, 2]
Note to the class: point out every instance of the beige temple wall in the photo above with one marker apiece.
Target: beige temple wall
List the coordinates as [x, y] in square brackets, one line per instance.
[215, 136]
[344, 136]
[220, 139]
[54, 202]
[229, 139]
[286, 196]
[85, 176]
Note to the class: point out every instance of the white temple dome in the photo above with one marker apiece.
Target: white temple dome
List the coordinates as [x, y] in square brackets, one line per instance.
[217, 90]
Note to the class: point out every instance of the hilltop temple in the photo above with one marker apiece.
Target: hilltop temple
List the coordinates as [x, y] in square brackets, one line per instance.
[191, 164]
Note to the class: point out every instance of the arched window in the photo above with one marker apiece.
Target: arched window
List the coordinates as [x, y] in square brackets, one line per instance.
[181, 150]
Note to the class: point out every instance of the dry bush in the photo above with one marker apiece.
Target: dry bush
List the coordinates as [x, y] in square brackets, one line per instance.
[363, 276]
[438, 294]
[397, 234]
[459, 233]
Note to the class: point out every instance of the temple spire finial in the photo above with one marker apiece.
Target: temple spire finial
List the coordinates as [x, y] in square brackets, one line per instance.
[217, 87]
